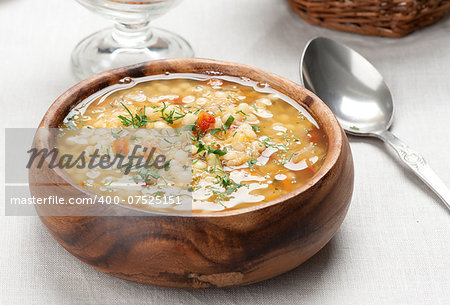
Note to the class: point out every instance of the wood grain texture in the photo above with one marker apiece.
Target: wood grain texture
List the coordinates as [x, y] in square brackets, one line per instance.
[210, 250]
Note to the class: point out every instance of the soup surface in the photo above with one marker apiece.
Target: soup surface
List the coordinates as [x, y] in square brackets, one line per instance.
[248, 143]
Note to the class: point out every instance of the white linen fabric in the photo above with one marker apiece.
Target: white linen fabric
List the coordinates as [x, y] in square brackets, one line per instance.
[394, 245]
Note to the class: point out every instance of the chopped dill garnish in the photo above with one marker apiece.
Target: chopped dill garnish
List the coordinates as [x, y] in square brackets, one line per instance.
[171, 116]
[251, 163]
[116, 135]
[242, 112]
[138, 120]
[202, 147]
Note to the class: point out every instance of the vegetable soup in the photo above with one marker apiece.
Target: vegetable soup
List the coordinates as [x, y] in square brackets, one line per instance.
[248, 143]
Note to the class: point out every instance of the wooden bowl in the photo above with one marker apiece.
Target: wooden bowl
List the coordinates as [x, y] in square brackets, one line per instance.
[217, 249]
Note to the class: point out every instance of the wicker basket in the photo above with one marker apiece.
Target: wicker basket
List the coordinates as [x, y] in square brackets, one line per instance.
[390, 18]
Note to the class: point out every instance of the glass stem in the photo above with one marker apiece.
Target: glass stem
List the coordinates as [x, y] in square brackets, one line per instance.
[132, 35]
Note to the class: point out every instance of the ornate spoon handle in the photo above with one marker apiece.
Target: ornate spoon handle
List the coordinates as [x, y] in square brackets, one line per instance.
[418, 165]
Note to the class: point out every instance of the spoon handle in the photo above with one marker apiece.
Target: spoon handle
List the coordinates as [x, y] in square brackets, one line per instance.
[418, 165]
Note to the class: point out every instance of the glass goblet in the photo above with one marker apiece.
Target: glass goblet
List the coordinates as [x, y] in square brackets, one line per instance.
[131, 40]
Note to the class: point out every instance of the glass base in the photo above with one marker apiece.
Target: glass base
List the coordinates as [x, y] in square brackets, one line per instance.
[100, 51]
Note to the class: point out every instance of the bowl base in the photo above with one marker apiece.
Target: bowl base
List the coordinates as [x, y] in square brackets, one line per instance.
[101, 52]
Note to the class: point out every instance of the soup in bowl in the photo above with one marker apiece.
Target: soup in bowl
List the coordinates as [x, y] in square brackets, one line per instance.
[254, 175]
[248, 143]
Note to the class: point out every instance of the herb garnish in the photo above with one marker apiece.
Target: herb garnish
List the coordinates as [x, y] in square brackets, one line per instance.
[251, 163]
[242, 112]
[144, 175]
[138, 120]
[227, 184]
[225, 126]
[117, 134]
[202, 147]
[70, 124]
[169, 117]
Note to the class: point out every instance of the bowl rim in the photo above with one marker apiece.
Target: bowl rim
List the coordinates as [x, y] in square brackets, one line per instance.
[316, 107]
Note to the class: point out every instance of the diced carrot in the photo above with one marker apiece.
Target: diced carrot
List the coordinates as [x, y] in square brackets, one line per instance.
[121, 146]
[178, 101]
[314, 135]
[205, 120]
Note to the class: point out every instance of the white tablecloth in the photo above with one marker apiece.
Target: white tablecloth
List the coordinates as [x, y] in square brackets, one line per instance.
[394, 245]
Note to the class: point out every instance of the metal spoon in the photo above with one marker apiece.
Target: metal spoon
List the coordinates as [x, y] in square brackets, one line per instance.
[357, 94]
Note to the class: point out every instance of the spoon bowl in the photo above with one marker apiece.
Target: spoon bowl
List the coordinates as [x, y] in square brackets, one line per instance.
[360, 99]
[354, 89]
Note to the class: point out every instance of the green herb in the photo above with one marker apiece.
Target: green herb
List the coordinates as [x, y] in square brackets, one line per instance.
[255, 128]
[138, 120]
[291, 156]
[70, 124]
[224, 180]
[225, 126]
[218, 152]
[190, 127]
[227, 184]
[202, 147]
[171, 116]
[154, 175]
[228, 123]
[241, 112]
[217, 165]
[215, 130]
[251, 163]
[106, 182]
[117, 134]
[220, 196]
[354, 128]
[266, 141]
[145, 175]
[167, 165]
[234, 187]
